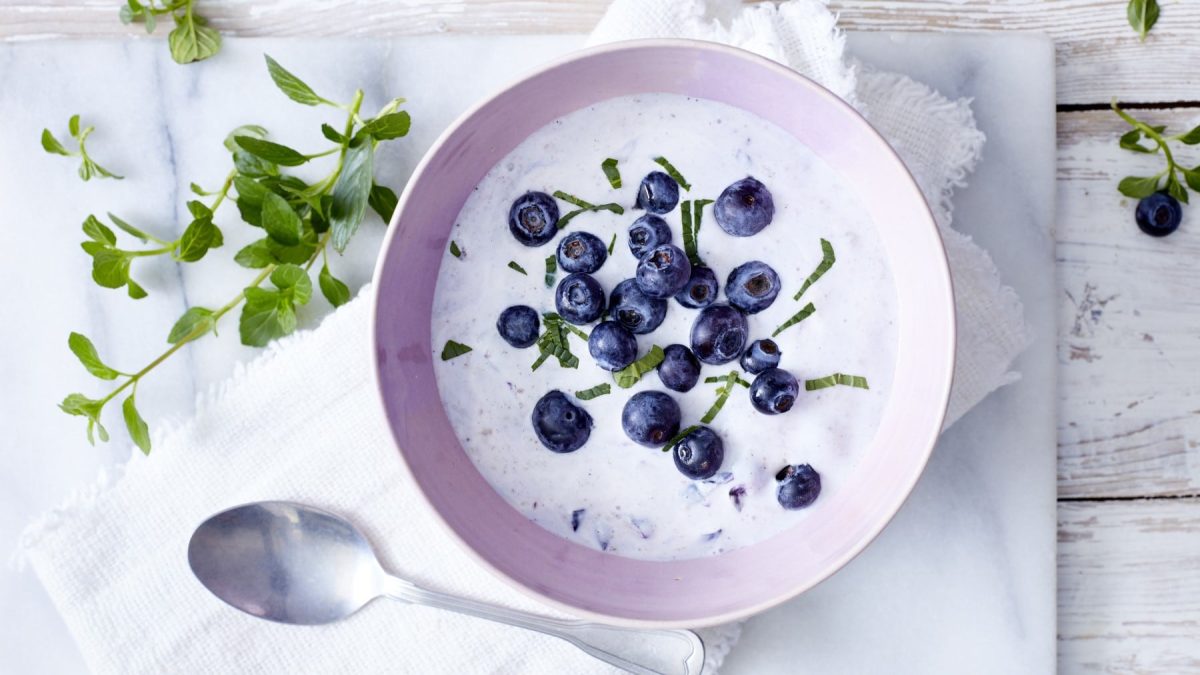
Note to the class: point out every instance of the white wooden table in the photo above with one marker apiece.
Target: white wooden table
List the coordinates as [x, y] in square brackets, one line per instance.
[1129, 332]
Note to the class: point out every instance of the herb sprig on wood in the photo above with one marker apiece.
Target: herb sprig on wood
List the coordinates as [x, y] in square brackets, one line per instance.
[1171, 179]
[88, 168]
[190, 40]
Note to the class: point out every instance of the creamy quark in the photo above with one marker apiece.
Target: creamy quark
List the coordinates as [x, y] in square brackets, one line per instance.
[613, 494]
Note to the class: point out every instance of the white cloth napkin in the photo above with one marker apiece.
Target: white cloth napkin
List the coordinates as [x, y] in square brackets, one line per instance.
[114, 558]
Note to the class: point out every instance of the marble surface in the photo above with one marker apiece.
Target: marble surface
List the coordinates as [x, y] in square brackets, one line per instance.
[962, 580]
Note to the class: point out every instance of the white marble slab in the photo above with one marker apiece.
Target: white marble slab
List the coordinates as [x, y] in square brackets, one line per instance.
[962, 581]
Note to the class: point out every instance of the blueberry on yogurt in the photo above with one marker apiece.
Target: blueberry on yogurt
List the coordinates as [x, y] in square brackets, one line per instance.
[744, 208]
[651, 418]
[658, 193]
[799, 486]
[752, 286]
[581, 252]
[774, 391]
[612, 345]
[699, 454]
[518, 325]
[561, 425]
[647, 232]
[760, 355]
[680, 369]
[663, 271]
[634, 309]
[719, 334]
[579, 298]
[533, 218]
[700, 291]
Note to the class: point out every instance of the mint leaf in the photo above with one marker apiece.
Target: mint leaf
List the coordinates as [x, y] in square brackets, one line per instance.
[796, 318]
[512, 265]
[51, 145]
[336, 292]
[129, 229]
[827, 260]
[135, 291]
[196, 321]
[332, 134]
[200, 236]
[834, 380]
[110, 266]
[454, 349]
[280, 220]
[455, 250]
[1130, 141]
[191, 40]
[270, 151]
[1137, 187]
[293, 281]
[681, 435]
[629, 375]
[250, 190]
[1192, 176]
[82, 406]
[350, 194]
[1142, 14]
[612, 242]
[290, 85]
[673, 173]
[85, 351]
[383, 200]
[255, 256]
[98, 232]
[1192, 137]
[73, 125]
[1175, 189]
[551, 269]
[723, 393]
[138, 431]
[609, 167]
[555, 341]
[594, 392]
[266, 315]
[387, 127]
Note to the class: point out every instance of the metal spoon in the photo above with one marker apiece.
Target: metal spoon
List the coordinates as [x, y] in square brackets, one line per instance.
[296, 564]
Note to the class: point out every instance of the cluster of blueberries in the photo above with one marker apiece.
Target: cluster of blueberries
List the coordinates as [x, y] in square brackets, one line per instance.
[638, 306]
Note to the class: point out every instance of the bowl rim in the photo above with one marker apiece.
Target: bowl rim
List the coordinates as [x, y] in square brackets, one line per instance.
[940, 407]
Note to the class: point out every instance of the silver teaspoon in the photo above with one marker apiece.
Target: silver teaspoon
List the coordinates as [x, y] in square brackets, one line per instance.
[296, 564]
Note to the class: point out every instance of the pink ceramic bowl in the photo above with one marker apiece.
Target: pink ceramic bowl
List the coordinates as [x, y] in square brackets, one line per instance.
[587, 582]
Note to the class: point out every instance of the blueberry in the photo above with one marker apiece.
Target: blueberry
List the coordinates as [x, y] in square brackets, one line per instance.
[581, 252]
[699, 454]
[663, 271]
[635, 310]
[612, 345]
[744, 208]
[518, 325]
[658, 193]
[1158, 215]
[680, 369]
[719, 334]
[752, 286]
[700, 290]
[650, 418]
[774, 391]
[760, 355]
[559, 424]
[647, 232]
[579, 298]
[799, 486]
[533, 218]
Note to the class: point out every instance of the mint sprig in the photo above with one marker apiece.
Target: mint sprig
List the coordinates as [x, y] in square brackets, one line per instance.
[190, 40]
[88, 168]
[1168, 180]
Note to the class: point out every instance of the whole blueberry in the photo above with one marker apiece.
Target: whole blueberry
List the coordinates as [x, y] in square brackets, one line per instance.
[699, 454]
[658, 193]
[612, 345]
[700, 290]
[719, 334]
[634, 309]
[559, 424]
[579, 298]
[647, 232]
[744, 208]
[760, 355]
[799, 486]
[774, 391]
[518, 325]
[581, 252]
[752, 286]
[663, 271]
[533, 218]
[1158, 215]
[680, 369]
[650, 418]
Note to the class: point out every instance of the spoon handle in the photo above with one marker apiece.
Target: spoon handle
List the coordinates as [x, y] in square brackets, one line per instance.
[639, 651]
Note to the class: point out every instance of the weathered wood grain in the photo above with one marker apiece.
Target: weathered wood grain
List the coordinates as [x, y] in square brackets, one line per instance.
[1129, 586]
[1099, 56]
[1129, 326]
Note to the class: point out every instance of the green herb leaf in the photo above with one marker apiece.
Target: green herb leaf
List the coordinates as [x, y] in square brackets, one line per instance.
[796, 318]
[135, 291]
[723, 393]
[97, 231]
[1130, 141]
[629, 375]
[383, 200]
[269, 151]
[584, 206]
[725, 378]
[680, 436]
[1191, 138]
[129, 229]
[609, 167]
[454, 349]
[191, 40]
[73, 125]
[293, 281]
[255, 256]
[336, 292]
[512, 265]
[266, 315]
[280, 221]
[1175, 188]
[196, 321]
[551, 269]
[110, 266]
[555, 341]
[1137, 187]
[455, 250]
[1192, 176]
[51, 145]
[827, 260]
[138, 431]
[698, 212]
[689, 235]
[834, 380]
[1143, 14]
[332, 134]
[594, 392]
[350, 194]
[85, 351]
[292, 86]
[200, 236]
[612, 243]
[82, 406]
[673, 173]
[387, 127]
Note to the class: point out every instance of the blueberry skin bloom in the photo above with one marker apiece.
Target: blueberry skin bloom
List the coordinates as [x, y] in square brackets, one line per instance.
[760, 355]
[663, 271]
[579, 299]
[1158, 215]
[744, 208]
[518, 325]
[719, 334]
[680, 369]
[634, 309]
[799, 486]
[647, 232]
[699, 454]
[581, 252]
[701, 289]
[774, 391]
[533, 218]
[752, 286]
[658, 193]
[612, 345]
[651, 418]
[561, 425]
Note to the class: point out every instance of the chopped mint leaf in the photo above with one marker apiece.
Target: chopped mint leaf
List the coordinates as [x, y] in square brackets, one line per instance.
[827, 260]
[723, 393]
[834, 380]
[584, 206]
[455, 250]
[609, 166]
[803, 314]
[629, 375]
[512, 265]
[551, 268]
[682, 433]
[598, 390]
[454, 349]
[673, 173]
[555, 341]
[612, 243]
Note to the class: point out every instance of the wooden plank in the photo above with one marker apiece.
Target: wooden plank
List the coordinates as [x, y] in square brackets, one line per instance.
[1129, 347]
[1099, 56]
[1129, 586]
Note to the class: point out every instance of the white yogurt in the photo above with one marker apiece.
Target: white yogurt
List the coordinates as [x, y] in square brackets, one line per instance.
[634, 501]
